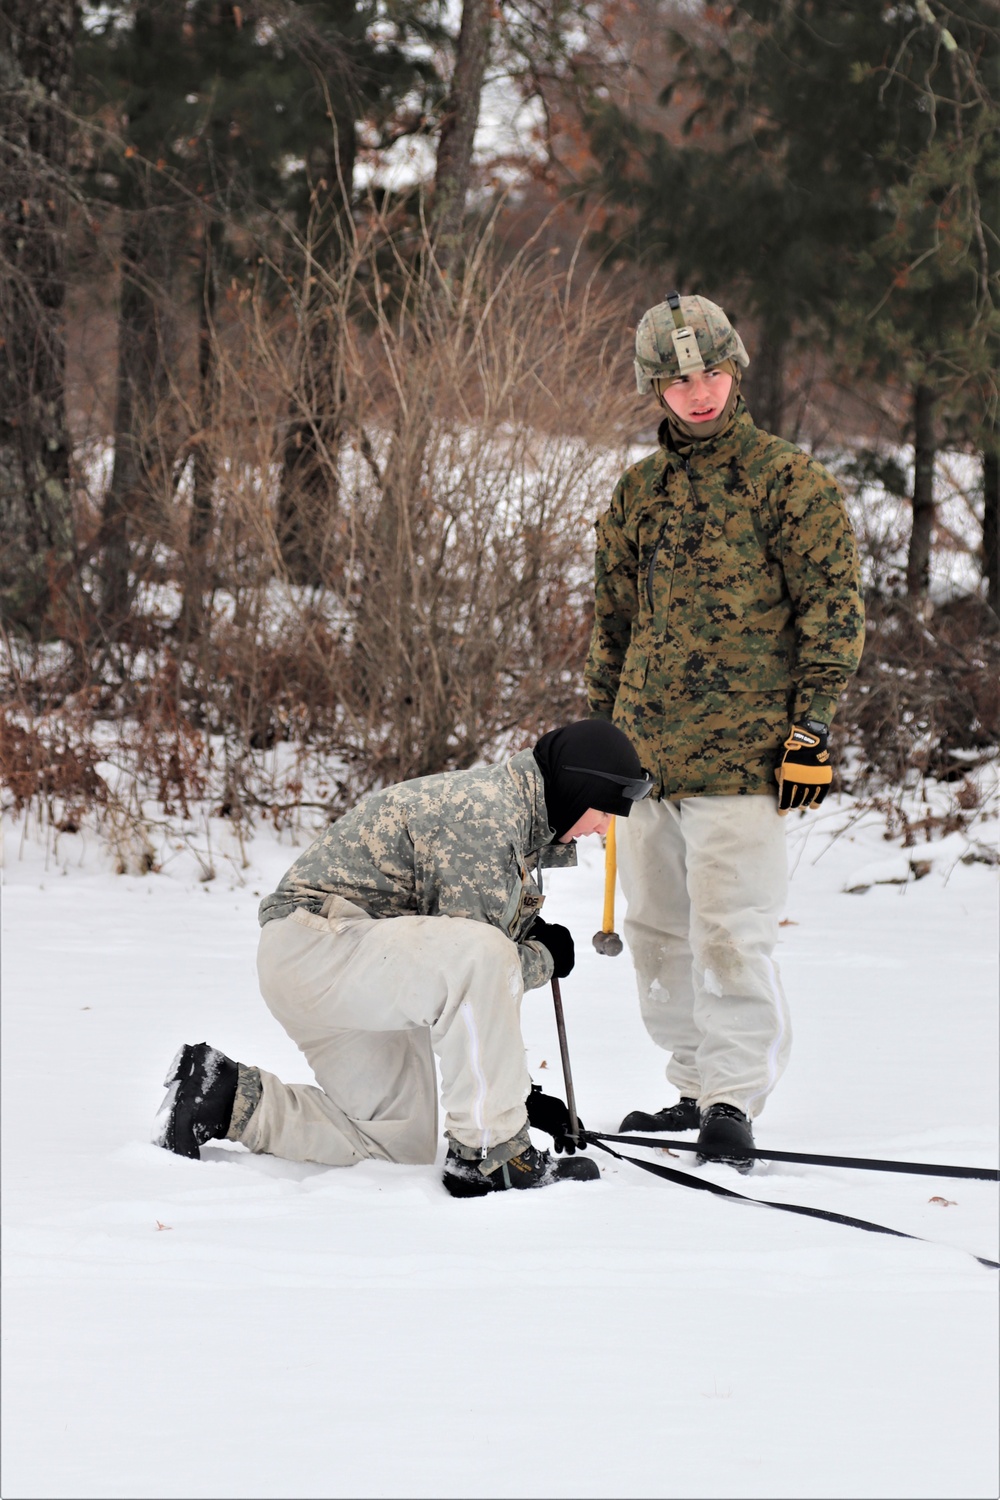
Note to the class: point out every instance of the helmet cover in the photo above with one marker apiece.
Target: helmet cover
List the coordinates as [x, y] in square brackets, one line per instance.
[673, 340]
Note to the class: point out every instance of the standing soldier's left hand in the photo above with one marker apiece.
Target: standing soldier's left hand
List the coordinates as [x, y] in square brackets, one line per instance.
[805, 772]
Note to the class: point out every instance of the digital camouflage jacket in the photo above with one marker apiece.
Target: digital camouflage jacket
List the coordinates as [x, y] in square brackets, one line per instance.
[727, 603]
[459, 844]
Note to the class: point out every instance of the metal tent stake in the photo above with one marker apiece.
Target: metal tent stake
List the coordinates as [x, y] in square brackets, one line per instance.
[574, 1123]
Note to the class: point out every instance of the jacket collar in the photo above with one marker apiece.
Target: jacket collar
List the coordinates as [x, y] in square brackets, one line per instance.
[717, 452]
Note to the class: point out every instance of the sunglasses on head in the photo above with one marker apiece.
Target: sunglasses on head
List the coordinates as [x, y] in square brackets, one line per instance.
[634, 788]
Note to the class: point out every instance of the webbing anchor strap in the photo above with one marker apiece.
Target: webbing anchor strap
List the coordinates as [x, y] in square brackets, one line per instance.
[862, 1163]
[684, 1179]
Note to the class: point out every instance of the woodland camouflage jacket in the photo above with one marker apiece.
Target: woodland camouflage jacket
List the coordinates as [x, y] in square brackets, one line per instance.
[460, 844]
[727, 602]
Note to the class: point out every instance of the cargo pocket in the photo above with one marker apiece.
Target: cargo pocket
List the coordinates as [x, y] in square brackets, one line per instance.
[311, 919]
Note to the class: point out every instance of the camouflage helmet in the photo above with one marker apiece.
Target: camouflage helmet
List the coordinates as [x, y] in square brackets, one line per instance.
[681, 335]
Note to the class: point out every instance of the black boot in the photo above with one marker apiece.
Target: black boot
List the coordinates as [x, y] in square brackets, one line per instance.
[201, 1091]
[726, 1136]
[684, 1115]
[528, 1169]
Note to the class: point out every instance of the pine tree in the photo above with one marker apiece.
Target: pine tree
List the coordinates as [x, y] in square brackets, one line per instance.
[838, 172]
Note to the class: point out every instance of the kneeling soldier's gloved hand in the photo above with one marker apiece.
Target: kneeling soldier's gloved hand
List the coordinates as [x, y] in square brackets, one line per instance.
[558, 940]
[805, 773]
[546, 1112]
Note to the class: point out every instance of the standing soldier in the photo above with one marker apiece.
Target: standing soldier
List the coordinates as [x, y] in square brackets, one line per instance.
[728, 620]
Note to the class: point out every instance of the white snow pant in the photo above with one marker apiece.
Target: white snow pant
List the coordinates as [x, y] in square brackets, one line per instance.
[370, 1003]
[705, 880]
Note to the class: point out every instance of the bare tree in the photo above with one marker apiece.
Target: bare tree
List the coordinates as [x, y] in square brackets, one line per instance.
[458, 128]
[991, 519]
[38, 583]
[144, 442]
[918, 562]
[305, 475]
[197, 573]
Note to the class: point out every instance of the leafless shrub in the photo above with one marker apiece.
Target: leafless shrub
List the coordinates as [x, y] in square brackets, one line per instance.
[926, 699]
[161, 739]
[416, 588]
[49, 765]
[390, 571]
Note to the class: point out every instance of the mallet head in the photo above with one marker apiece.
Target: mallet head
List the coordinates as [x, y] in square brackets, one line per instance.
[608, 943]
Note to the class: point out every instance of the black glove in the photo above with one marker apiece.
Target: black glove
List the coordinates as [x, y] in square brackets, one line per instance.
[558, 940]
[805, 773]
[546, 1112]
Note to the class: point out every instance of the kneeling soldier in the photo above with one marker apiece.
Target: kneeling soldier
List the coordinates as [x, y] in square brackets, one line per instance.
[410, 929]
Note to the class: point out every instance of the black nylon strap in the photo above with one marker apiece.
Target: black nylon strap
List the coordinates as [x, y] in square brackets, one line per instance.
[685, 1180]
[864, 1163]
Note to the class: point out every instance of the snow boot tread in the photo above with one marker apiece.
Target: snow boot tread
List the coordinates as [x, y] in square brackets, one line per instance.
[198, 1107]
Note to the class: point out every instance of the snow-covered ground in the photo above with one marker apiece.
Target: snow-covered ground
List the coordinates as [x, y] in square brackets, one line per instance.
[243, 1326]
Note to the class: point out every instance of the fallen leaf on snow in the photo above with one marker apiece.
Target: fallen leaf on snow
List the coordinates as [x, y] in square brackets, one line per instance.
[944, 1202]
[163, 1226]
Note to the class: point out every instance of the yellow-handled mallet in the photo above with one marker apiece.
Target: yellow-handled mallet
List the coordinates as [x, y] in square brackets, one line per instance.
[607, 940]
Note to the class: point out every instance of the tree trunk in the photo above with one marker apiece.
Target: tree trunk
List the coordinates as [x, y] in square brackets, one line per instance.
[764, 383]
[200, 521]
[154, 243]
[308, 496]
[39, 583]
[458, 129]
[133, 502]
[991, 522]
[918, 562]
[308, 499]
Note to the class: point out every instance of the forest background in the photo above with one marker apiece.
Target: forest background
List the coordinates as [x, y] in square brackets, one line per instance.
[317, 328]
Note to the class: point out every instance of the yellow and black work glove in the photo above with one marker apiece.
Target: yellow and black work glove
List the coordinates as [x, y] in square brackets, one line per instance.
[805, 773]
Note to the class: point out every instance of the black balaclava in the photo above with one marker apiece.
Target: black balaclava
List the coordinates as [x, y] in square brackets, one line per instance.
[597, 745]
